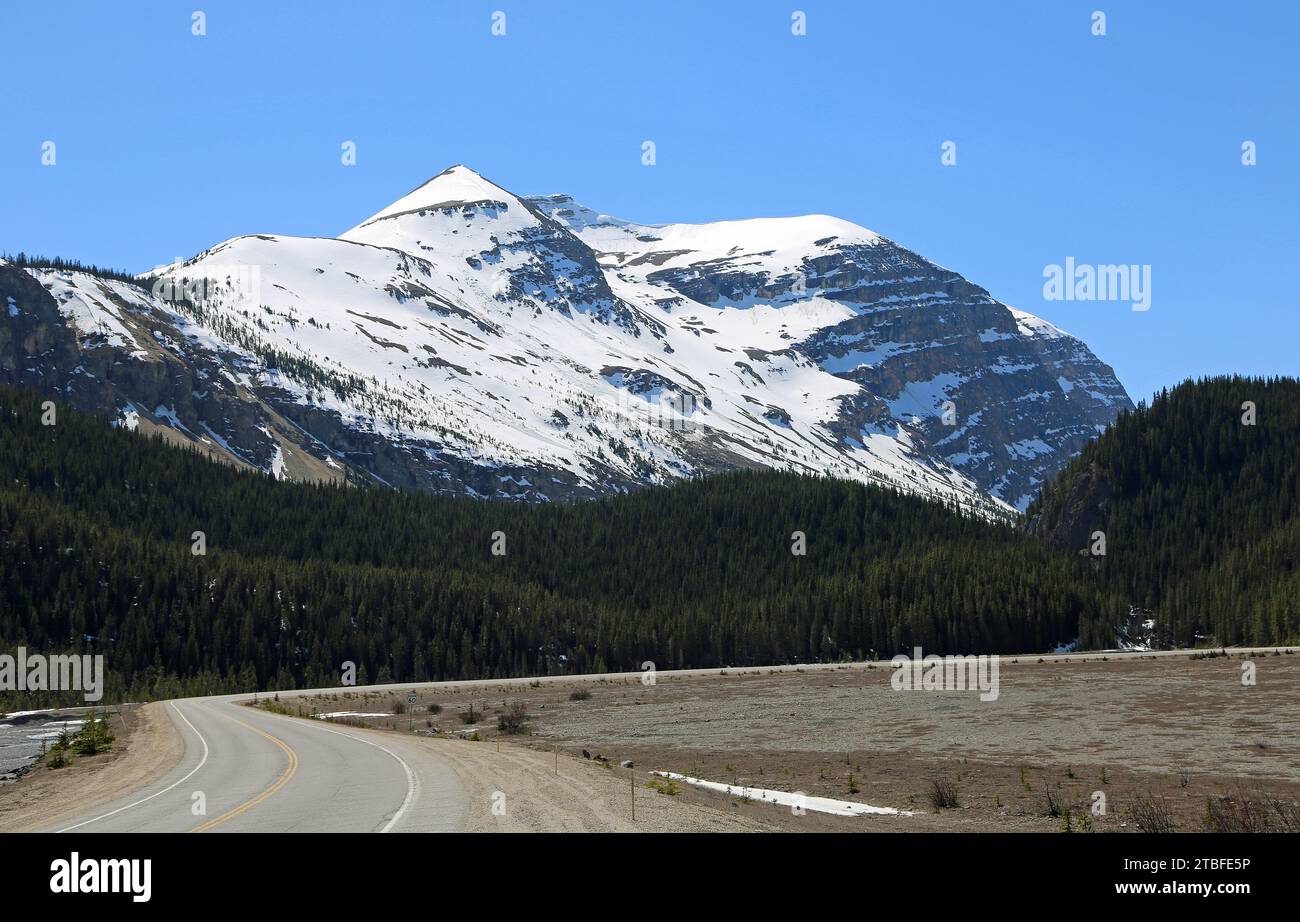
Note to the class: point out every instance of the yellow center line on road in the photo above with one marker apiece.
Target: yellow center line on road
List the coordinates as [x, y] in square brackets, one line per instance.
[257, 799]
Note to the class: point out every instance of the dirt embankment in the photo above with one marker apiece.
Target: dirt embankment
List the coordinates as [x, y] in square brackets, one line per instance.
[147, 746]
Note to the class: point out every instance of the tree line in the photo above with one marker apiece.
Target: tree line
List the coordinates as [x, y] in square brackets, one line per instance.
[1197, 495]
[98, 538]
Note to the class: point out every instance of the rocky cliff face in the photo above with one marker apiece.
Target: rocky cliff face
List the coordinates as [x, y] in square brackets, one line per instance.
[467, 340]
[1001, 396]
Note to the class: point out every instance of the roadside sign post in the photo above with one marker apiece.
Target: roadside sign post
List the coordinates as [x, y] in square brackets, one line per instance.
[410, 707]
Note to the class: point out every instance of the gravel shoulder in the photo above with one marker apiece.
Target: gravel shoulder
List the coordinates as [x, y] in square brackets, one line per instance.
[519, 789]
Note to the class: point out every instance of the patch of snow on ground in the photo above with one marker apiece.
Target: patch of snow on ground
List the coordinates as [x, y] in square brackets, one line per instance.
[278, 470]
[1028, 448]
[789, 799]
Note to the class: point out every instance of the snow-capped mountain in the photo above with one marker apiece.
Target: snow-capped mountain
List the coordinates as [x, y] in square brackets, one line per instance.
[467, 340]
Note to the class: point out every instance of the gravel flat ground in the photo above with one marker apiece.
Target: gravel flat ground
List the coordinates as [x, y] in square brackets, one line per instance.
[1155, 715]
[1173, 729]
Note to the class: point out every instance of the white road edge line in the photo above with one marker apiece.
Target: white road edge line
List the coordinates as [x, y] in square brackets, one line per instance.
[202, 762]
[412, 782]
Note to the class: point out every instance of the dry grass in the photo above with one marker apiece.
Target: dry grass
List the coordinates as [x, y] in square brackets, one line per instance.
[1244, 812]
[1151, 814]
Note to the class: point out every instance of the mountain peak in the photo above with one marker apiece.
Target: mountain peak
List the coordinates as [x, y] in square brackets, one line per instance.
[463, 339]
[454, 185]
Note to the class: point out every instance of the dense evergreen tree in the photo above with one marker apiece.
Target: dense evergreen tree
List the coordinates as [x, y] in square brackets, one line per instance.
[26, 261]
[1198, 496]
[96, 529]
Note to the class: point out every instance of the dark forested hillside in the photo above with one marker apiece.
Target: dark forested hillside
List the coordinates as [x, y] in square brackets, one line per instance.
[98, 530]
[1197, 495]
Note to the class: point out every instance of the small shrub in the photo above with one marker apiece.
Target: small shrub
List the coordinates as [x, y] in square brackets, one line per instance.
[94, 737]
[1151, 814]
[1246, 813]
[1286, 814]
[1229, 814]
[666, 786]
[943, 794]
[1053, 806]
[514, 719]
[579, 694]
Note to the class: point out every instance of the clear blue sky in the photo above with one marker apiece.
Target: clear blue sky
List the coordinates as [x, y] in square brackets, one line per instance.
[1117, 149]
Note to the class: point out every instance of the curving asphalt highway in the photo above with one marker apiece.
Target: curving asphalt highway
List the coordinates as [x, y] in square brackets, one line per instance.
[252, 771]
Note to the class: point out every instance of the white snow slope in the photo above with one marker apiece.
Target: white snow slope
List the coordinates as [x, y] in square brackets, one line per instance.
[559, 352]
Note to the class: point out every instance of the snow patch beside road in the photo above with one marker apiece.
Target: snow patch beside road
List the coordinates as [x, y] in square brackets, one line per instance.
[789, 798]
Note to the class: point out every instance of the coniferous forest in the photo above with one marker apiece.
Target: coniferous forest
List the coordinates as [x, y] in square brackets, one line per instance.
[98, 529]
[1199, 499]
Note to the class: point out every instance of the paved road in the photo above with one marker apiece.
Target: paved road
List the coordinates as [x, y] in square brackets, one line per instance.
[263, 772]
[267, 773]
